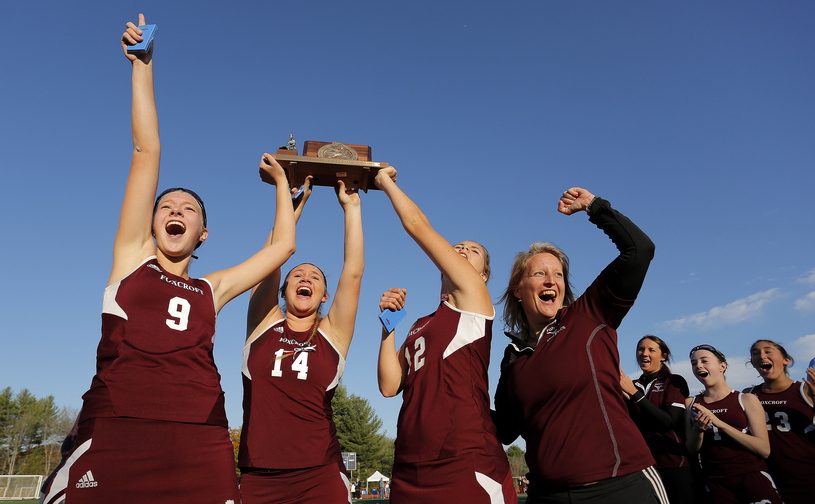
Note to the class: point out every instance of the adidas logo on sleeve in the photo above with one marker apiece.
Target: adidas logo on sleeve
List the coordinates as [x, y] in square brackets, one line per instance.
[87, 481]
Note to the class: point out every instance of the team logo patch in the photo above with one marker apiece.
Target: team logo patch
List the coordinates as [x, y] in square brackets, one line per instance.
[278, 329]
[87, 481]
[658, 386]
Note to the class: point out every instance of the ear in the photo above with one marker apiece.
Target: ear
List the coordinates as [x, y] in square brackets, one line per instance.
[204, 235]
[484, 276]
[325, 298]
[516, 293]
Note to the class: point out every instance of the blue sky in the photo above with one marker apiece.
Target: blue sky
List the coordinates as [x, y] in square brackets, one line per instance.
[695, 119]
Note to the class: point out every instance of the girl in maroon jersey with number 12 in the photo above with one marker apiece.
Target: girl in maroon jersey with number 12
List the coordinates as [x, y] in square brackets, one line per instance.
[446, 445]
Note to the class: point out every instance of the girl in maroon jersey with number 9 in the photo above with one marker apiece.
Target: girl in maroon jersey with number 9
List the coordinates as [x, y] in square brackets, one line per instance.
[153, 426]
[788, 407]
[560, 378]
[726, 429]
[446, 445]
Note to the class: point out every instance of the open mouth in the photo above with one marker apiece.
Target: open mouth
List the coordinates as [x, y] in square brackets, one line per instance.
[702, 374]
[547, 296]
[175, 228]
[304, 291]
[766, 366]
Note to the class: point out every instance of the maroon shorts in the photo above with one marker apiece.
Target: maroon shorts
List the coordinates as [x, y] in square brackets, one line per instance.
[755, 486]
[129, 460]
[470, 478]
[327, 484]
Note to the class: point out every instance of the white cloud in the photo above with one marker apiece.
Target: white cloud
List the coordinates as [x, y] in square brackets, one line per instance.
[733, 313]
[810, 278]
[806, 303]
[802, 350]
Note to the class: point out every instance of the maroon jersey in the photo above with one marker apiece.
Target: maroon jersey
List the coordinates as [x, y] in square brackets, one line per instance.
[665, 391]
[155, 357]
[445, 409]
[288, 384]
[721, 456]
[791, 425]
[564, 396]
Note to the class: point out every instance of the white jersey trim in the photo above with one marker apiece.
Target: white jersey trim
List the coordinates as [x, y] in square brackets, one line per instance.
[471, 327]
[248, 346]
[60, 481]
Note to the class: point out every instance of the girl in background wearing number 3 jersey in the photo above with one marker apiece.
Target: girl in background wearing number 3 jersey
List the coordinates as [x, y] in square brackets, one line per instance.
[153, 426]
[726, 429]
[788, 407]
[446, 445]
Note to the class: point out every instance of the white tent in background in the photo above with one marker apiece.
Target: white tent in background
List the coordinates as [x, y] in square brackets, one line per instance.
[378, 478]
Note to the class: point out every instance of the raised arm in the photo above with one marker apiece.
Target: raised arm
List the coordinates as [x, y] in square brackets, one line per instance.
[265, 295]
[626, 273]
[134, 239]
[468, 290]
[391, 366]
[229, 283]
[343, 312]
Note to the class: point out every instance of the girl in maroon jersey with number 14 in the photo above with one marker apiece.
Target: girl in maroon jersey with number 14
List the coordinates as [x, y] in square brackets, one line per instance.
[292, 363]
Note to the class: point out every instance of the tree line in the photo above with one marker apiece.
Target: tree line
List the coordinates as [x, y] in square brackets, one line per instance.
[32, 431]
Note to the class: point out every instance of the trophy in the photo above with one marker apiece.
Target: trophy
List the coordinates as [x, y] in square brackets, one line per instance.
[329, 162]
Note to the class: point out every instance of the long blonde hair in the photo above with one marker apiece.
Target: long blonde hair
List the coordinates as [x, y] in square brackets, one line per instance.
[514, 316]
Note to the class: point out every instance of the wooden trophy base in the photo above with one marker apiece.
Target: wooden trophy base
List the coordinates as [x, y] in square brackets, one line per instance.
[347, 162]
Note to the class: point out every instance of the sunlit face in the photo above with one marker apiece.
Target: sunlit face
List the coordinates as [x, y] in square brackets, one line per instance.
[707, 368]
[649, 355]
[474, 253]
[542, 289]
[768, 360]
[178, 225]
[305, 290]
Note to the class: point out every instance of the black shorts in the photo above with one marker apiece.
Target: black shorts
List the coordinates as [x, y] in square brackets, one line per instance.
[643, 487]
